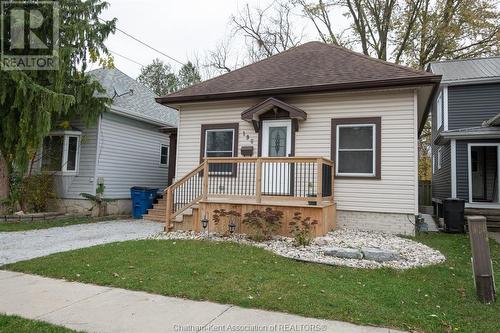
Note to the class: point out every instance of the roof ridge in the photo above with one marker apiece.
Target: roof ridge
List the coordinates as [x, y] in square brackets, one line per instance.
[384, 62]
[238, 69]
[463, 59]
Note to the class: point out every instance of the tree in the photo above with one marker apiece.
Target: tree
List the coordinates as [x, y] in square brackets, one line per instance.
[413, 32]
[267, 31]
[424, 153]
[159, 77]
[34, 102]
[188, 75]
[222, 59]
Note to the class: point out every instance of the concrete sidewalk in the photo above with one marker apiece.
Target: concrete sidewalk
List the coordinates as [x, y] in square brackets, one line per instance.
[93, 308]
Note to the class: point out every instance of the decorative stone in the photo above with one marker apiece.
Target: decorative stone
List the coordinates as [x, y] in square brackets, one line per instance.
[408, 253]
[342, 252]
[375, 254]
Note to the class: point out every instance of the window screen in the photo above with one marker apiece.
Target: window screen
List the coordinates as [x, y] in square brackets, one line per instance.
[356, 149]
[164, 155]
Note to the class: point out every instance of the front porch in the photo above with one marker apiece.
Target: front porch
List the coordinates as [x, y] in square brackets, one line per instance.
[244, 184]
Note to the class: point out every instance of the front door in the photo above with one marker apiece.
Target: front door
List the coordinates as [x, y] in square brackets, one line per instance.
[276, 142]
[477, 164]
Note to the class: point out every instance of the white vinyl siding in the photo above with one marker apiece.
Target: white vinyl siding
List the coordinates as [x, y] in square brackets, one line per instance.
[393, 193]
[129, 156]
[70, 184]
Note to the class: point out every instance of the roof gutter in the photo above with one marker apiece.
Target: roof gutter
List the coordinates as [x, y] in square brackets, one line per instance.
[428, 79]
[428, 106]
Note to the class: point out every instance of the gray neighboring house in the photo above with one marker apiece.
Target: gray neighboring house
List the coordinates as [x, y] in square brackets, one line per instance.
[466, 133]
[132, 145]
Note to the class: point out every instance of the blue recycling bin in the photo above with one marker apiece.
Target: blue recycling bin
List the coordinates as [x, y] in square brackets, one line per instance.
[142, 200]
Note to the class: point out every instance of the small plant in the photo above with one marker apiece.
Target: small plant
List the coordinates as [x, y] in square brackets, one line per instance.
[98, 199]
[263, 222]
[35, 191]
[301, 229]
[231, 215]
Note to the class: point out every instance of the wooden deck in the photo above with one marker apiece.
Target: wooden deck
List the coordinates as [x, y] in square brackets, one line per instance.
[293, 184]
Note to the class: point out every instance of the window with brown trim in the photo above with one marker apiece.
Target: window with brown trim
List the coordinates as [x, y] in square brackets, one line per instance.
[356, 147]
[219, 140]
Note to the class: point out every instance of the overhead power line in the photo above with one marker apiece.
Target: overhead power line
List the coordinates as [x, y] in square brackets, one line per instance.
[127, 58]
[147, 45]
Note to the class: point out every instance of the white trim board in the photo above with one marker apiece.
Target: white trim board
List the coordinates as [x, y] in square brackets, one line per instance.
[445, 108]
[469, 165]
[453, 146]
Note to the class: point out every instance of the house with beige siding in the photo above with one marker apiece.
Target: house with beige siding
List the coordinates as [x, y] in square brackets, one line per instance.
[317, 129]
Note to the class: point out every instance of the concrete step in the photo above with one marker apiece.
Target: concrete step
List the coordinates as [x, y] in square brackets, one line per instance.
[153, 218]
[156, 211]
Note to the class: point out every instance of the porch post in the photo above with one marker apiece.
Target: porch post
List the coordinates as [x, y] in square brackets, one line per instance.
[258, 180]
[168, 209]
[319, 180]
[205, 180]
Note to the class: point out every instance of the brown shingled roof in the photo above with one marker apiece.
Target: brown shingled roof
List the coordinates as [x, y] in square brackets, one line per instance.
[310, 67]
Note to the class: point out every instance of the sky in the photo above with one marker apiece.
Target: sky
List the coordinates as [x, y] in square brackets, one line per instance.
[183, 29]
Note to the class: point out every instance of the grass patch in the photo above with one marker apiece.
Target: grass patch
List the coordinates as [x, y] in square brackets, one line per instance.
[15, 324]
[45, 224]
[438, 298]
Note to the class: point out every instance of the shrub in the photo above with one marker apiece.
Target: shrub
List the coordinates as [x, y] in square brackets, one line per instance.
[301, 229]
[36, 191]
[263, 222]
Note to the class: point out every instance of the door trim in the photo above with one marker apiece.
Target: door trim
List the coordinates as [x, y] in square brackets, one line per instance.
[469, 164]
[292, 135]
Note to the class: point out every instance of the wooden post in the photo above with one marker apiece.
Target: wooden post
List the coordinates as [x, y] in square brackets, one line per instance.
[258, 180]
[319, 180]
[168, 212]
[205, 180]
[333, 180]
[481, 259]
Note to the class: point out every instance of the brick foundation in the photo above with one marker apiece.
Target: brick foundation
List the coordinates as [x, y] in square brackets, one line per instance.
[392, 223]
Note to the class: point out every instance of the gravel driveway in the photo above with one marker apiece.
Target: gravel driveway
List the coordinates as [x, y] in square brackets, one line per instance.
[23, 245]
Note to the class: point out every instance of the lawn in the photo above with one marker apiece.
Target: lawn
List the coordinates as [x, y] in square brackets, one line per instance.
[45, 224]
[439, 298]
[15, 324]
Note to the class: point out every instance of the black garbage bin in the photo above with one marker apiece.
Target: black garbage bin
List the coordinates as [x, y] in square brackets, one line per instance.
[453, 213]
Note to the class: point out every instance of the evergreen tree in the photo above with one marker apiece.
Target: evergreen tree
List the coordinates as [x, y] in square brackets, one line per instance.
[34, 102]
[188, 75]
[159, 77]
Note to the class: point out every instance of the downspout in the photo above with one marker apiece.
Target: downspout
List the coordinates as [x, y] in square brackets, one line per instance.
[97, 155]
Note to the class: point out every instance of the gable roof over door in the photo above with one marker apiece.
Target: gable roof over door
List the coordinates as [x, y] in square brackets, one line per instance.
[310, 67]
[255, 111]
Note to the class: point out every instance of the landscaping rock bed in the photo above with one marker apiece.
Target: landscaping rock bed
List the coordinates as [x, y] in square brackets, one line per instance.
[351, 248]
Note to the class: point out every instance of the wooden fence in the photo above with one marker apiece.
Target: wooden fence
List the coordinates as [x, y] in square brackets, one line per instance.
[424, 193]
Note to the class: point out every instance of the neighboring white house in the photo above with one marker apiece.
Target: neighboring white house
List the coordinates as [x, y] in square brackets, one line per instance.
[129, 146]
[319, 100]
